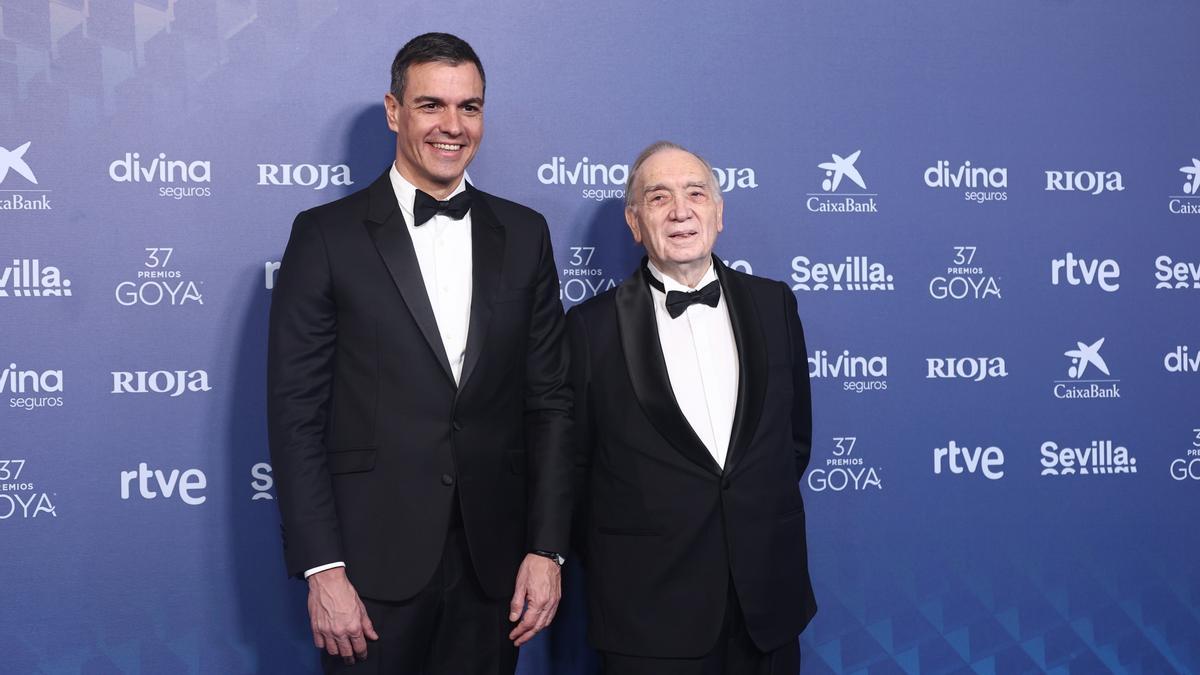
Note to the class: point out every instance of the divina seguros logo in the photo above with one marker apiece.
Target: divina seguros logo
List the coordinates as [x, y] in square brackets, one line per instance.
[29, 278]
[28, 388]
[176, 178]
[979, 184]
[599, 181]
[856, 373]
[855, 273]
[1182, 360]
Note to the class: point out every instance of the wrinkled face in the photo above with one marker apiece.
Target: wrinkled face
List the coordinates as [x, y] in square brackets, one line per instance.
[438, 125]
[674, 214]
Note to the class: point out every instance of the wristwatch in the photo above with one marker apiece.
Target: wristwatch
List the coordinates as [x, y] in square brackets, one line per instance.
[551, 555]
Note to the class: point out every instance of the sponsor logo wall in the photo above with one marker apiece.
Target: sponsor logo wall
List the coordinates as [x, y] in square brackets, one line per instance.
[1001, 318]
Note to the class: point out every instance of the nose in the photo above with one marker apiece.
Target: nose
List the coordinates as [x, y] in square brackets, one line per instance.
[680, 209]
[451, 121]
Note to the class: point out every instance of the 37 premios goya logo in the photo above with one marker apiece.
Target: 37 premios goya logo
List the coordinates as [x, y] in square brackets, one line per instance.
[965, 279]
[844, 470]
[1187, 467]
[581, 278]
[159, 282]
[20, 497]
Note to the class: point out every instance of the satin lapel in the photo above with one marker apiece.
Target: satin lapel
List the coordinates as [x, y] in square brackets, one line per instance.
[385, 223]
[752, 371]
[487, 262]
[648, 371]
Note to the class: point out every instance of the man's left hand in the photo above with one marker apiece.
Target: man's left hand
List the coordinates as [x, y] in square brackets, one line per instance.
[535, 599]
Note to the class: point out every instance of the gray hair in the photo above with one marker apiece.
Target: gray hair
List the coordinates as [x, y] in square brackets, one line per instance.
[653, 149]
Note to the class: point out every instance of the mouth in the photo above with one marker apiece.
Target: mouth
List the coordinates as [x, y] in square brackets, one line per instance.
[448, 147]
[682, 235]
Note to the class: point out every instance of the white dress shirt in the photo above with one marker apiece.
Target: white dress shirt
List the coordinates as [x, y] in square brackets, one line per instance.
[443, 247]
[702, 362]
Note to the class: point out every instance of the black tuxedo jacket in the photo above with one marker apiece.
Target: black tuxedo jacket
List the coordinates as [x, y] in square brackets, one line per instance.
[666, 529]
[370, 438]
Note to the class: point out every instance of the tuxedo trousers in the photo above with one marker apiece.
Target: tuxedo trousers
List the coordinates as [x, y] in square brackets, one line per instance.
[451, 627]
[734, 654]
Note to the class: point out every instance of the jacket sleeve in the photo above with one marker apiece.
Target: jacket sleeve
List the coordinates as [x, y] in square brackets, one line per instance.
[548, 412]
[583, 436]
[300, 352]
[801, 394]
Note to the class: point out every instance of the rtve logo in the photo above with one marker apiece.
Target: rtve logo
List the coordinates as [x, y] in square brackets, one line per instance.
[959, 460]
[187, 484]
[1104, 273]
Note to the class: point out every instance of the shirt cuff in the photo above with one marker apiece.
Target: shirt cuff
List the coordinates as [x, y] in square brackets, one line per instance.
[322, 568]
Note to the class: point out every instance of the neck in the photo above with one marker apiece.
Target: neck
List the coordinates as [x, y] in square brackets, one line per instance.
[689, 274]
[438, 191]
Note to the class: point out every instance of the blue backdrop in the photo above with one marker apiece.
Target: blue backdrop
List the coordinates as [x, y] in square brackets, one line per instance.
[1000, 283]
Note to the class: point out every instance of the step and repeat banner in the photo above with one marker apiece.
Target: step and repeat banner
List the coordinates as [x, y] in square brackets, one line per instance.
[989, 214]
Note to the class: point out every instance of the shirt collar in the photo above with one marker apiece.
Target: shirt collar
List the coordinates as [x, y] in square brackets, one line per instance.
[406, 192]
[670, 284]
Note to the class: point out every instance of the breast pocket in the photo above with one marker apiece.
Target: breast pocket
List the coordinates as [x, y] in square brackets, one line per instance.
[350, 460]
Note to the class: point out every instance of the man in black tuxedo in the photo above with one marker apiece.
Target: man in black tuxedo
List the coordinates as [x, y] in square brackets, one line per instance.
[692, 416]
[418, 404]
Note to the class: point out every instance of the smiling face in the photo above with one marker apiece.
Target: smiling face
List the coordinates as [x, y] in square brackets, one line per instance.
[675, 214]
[438, 125]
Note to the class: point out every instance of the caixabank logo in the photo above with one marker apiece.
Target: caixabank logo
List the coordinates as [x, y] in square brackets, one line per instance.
[1098, 458]
[965, 279]
[173, 178]
[33, 278]
[30, 389]
[1086, 360]
[838, 188]
[598, 181]
[856, 273]
[19, 187]
[1188, 203]
[22, 498]
[845, 470]
[159, 282]
[854, 372]
[977, 184]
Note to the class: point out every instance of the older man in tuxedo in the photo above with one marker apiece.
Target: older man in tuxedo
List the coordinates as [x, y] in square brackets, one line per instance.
[693, 421]
[418, 404]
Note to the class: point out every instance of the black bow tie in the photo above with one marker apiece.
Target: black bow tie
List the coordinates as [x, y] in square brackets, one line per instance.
[677, 301]
[426, 207]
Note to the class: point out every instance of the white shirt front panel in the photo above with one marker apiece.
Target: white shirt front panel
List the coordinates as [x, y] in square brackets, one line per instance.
[702, 362]
[443, 247]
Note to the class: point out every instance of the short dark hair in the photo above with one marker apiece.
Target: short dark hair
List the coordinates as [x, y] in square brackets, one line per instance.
[428, 48]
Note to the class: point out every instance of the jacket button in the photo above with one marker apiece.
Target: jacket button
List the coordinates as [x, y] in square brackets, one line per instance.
[456, 425]
[447, 479]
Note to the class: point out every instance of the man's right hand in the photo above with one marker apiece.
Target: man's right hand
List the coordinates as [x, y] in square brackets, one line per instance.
[340, 624]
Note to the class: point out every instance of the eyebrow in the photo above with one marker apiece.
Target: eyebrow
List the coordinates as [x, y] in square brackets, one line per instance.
[689, 184]
[474, 100]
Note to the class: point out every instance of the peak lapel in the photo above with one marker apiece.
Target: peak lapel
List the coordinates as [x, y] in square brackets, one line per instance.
[648, 371]
[752, 371]
[487, 262]
[385, 224]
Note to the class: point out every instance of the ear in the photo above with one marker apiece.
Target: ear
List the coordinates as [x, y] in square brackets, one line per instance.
[392, 108]
[632, 221]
